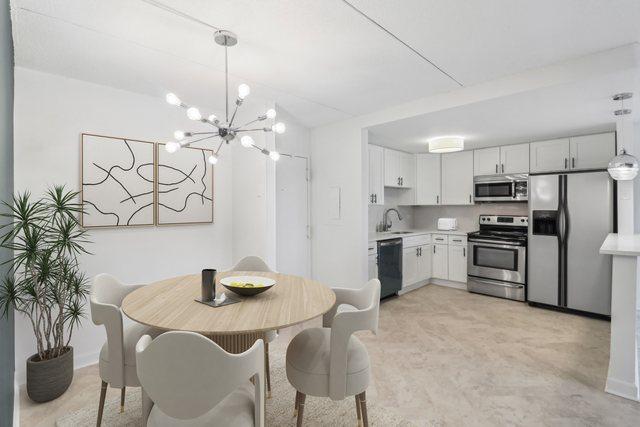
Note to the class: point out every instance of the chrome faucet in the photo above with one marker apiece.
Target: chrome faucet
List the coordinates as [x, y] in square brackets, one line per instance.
[386, 226]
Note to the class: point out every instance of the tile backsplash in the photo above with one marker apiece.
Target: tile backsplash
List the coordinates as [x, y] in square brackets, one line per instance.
[427, 216]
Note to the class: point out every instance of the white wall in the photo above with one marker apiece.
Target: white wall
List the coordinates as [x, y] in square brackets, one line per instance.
[50, 114]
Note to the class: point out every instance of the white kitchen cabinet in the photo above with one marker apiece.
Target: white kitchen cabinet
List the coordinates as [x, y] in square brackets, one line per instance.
[592, 151]
[439, 262]
[424, 262]
[514, 159]
[549, 156]
[409, 266]
[486, 161]
[399, 169]
[427, 183]
[457, 178]
[373, 266]
[376, 175]
[457, 261]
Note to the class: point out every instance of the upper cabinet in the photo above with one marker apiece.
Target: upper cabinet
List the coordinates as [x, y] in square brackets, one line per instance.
[399, 169]
[486, 161]
[457, 178]
[428, 179]
[508, 159]
[592, 151]
[376, 175]
[514, 158]
[575, 153]
[549, 156]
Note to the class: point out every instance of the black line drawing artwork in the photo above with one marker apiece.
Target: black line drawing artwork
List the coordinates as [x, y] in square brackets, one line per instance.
[184, 187]
[116, 187]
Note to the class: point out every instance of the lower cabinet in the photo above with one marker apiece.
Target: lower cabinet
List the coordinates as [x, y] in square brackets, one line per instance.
[457, 263]
[424, 262]
[410, 266]
[440, 265]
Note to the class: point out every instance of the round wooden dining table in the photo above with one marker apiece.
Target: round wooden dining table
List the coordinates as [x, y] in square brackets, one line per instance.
[171, 305]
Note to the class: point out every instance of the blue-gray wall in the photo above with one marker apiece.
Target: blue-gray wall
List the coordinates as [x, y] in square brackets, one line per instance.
[7, 365]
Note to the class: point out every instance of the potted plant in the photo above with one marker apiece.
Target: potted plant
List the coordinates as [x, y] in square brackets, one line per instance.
[46, 284]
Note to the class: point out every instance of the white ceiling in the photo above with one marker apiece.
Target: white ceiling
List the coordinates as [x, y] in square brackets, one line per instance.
[321, 60]
[556, 111]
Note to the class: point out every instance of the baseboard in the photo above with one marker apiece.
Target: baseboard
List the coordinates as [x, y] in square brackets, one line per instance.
[622, 389]
[16, 403]
[79, 361]
[413, 287]
[449, 283]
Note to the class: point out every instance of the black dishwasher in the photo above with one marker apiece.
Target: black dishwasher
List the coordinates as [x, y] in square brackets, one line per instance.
[390, 266]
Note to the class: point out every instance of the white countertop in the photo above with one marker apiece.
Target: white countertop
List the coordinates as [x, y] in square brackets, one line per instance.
[390, 234]
[621, 244]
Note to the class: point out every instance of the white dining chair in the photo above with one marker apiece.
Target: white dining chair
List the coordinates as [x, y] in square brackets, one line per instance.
[330, 361]
[117, 363]
[255, 263]
[188, 380]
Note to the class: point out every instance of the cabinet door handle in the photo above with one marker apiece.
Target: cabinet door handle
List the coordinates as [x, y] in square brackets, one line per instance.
[469, 198]
[496, 168]
[503, 168]
[434, 249]
[401, 180]
[375, 198]
[437, 199]
[565, 162]
[573, 162]
[464, 252]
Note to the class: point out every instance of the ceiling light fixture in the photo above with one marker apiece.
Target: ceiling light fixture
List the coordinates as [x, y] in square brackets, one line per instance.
[446, 144]
[623, 167]
[227, 130]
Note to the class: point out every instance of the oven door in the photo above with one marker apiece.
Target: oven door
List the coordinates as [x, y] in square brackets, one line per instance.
[497, 260]
[493, 191]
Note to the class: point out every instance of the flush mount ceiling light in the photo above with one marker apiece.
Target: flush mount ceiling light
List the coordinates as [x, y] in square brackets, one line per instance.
[623, 167]
[446, 144]
[225, 130]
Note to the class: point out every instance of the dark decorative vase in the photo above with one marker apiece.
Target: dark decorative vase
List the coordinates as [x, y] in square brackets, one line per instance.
[49, 379]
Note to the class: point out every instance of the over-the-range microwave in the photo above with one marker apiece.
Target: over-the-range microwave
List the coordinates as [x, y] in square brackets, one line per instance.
[502, 188]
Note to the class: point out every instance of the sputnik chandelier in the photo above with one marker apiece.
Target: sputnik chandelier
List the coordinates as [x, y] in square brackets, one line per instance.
[227, 130]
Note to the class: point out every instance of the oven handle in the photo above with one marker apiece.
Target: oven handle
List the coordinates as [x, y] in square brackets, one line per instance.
[496, 282]
[494, 244]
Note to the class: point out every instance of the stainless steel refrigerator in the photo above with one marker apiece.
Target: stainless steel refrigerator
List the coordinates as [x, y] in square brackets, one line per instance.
[570, 215]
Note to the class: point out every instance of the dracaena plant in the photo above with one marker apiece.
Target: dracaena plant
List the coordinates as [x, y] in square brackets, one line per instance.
[46, 284]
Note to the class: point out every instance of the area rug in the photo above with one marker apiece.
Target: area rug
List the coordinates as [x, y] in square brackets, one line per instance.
[318, 411]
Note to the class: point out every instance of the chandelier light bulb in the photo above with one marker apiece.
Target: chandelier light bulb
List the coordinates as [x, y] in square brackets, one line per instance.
[172, 146]
[213, 159]
[173, 99]
[271, 113]
[194, 114]
[212, 118]
[243, 91]
[246, 141]
[278, 127]
[179, 135]
[275, 156]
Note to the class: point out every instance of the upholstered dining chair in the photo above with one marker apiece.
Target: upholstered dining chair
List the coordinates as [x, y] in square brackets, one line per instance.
[255, 263]
[188, 380]
[117, 362]
[330, 361]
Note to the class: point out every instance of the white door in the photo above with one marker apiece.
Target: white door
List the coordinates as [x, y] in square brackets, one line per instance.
[391, 168]
[457, 263]
[424, 262]
[376, 175]
[457, 178]
[549, 156]
[592, 151]
[407, 170]
[440, 268]
[514, 158]
[373, 266]
[292, 217]
[409, 266]
[486, 161]
[427, 179]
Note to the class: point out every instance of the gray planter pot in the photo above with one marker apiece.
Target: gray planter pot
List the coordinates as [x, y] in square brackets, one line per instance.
[49, 379]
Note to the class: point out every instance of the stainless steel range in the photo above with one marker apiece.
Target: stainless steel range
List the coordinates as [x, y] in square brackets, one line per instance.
[497, 261]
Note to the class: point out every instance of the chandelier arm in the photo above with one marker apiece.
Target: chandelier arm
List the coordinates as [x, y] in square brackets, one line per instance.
[226, 85]
[219, 146]
[203, 133]
[259, 119]
[234, 113]
[200, 139]
[253, 130]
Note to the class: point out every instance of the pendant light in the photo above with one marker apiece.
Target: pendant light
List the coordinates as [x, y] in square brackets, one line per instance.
[624, 166]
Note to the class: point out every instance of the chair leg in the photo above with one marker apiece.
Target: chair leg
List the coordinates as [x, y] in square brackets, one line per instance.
[358, 410]
[122, 399]
[363, 408]
[267, 369]
[103, 394]
[300, 409]
[295, 407]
